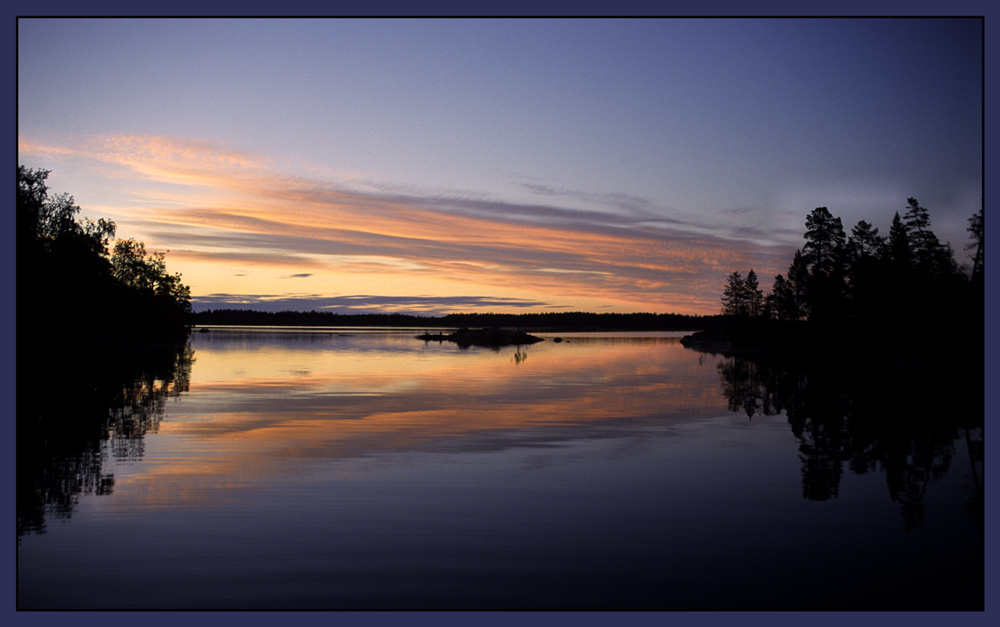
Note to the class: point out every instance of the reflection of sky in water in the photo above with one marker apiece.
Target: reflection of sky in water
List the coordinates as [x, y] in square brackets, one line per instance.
[375, 471]
[268, 405]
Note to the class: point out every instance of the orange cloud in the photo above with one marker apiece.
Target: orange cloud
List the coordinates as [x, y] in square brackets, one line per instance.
[221, 206]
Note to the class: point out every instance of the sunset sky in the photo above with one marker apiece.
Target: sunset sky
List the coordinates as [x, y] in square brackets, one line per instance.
[430, 166]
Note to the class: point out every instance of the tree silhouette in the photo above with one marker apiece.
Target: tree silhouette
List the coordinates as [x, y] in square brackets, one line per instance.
[69, 284]
[905, 281]
[864, 243]
[753, 295]
[825, 241]
[798, 281]
[899, 251]
[978, 234]
[782, 303]
[742, 296]
[824, 252]
[734, 296]
[933, 259]
[865, 250]
[146, 272]
[880, 313]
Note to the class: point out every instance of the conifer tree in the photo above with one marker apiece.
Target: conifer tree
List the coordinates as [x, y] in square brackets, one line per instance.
[932, 259]
[824, 252]
[734, 296]
[753, 296]
[865, 250]
[798, 281]
[825, 242]
[782, 303]
[977, 233]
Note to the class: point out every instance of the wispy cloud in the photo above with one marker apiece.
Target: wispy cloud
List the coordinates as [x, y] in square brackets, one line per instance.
[419, 305]
[219, 206]
[618, 200]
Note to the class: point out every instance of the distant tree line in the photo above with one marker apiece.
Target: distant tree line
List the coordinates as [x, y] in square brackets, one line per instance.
[76, 283]
[553, 320]
[867, 282]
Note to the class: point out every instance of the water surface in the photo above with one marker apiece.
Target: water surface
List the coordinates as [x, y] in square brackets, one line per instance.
[365, 469]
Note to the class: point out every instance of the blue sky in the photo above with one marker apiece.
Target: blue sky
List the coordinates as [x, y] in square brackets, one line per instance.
[412, 165]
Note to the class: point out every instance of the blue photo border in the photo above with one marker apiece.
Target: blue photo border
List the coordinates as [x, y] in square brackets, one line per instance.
[640, 8]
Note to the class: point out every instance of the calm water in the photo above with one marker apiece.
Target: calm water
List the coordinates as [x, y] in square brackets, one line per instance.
[365, 469]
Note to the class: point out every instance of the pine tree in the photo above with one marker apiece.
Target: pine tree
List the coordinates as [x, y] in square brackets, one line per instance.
[864, 243]
[781, 302]
[798, 281]
[933, 260]
[734, 296]
[753, 296]
[824, 252]
[825, 242]
[977, 246]
[865, 250]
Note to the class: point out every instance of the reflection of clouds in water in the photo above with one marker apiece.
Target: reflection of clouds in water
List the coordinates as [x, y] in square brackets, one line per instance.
[355, 397]
[302, 401]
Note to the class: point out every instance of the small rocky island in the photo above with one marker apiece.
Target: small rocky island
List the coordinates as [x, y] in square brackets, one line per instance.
[491, 338]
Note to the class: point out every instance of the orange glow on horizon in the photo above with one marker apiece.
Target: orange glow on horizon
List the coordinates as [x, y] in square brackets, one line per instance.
[235, 226]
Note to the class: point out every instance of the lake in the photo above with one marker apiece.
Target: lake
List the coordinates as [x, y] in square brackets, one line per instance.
[352, 468]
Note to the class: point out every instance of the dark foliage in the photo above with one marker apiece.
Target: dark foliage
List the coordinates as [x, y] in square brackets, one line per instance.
[873, 348]
[75, 290]
[978, 234]
[86, 408]
[844, 419]
[100, 346]
[868, 292]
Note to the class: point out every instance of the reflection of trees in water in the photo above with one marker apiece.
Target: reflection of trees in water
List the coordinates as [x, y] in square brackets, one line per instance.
[904, 422]
[975, 444]
[520, 355]
[75, 414]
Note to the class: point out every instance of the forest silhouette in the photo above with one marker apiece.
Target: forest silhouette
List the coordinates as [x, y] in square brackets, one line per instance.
[102, 329]
[862, 294]
[872, 347]
[79, 287]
